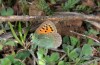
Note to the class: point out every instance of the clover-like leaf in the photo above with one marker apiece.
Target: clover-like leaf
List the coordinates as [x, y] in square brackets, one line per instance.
[73, 54]
[5, 61]
[22, 54]
[65, 39]
[11, 58]
[86, 50]
[73, 40]
[10, 43]
[40, 55]
[6, 12]
[90, 42]
[54, 57]
[1, 46]
[61, 63]
[18, 62]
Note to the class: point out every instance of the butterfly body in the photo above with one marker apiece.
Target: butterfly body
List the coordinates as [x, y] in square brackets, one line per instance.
[46, 36]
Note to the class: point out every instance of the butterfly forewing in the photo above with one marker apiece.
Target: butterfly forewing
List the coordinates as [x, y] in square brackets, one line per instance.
[46, 27]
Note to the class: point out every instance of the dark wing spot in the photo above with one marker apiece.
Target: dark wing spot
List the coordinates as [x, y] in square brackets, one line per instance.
[51, 28]
[45, 31]
[49, 25]
[42, 28]
[46, 28]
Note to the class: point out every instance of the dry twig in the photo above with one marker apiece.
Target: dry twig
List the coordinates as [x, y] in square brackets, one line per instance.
[85, 36]
[57, 16]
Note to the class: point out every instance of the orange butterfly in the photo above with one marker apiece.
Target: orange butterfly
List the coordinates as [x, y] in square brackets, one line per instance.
[46, 36]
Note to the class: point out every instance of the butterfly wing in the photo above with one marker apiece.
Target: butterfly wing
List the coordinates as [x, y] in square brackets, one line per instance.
[52, 40]
[45, 40]
[46, 28]
[57, 40]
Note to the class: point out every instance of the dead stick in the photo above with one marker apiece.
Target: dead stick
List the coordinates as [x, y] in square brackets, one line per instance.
[64, 16]
[85, 36]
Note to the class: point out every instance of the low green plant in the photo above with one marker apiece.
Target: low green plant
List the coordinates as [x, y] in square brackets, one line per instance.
[68, 5]
[84, 8]
[22, 35]
[15, 58]
[0, 2]
[53, 1]
[42, 5]
[24, 6]
[75, 53]
[44, 59]
[11, 60]
[98, 4]
[6, 12]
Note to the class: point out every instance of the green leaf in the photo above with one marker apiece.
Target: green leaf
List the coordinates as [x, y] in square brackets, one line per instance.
[14, 34]
[86, 50]
[10, 42]
[41, 62]
[86, 57]
[69, 4]
[92, 31]
[73, 40]
[1, 31]
[73, 54]
[40, 55]
[65, 39]
[41, 50]
[77, 60]
[7, 12]
[90, 42]
[25, 34]
[5, 61]
[98, 3]
[0, 2]
[53, 1]
[1, 46]
[54, 57]
[44, 7]
[2, 41]
[22, 54]
[81, 7]
[61, 63]
[47, 58]
[11, 58]
[20, 32]
[18, 62]
[67, 48]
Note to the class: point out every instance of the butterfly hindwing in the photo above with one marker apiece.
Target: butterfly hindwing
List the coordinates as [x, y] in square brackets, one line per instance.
[52, 40]
[57, 40]
[46, 41]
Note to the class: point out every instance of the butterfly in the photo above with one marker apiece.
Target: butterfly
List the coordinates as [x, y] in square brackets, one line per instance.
[46, 36]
